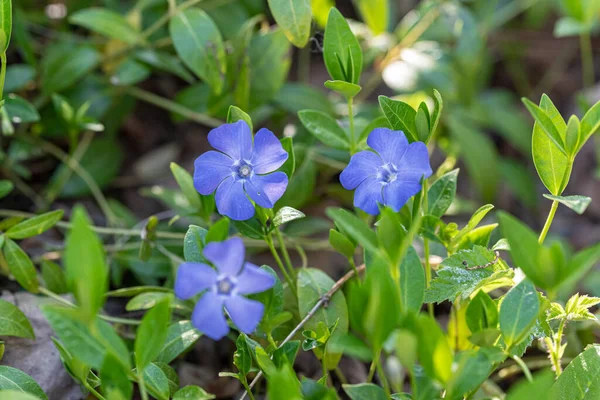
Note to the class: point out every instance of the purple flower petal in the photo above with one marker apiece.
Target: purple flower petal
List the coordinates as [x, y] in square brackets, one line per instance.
[397, 193]
[209, 171]
[227, 256]
[253, 279]
[415, 163]
[193, 278]
[265, 190]
[245, 313]
[208, 316]
[232, 200]
[368, 194]
[390, 144]
[362, 165]
[268, 153]
[235, 140]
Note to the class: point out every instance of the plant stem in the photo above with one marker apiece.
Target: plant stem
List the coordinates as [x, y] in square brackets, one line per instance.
[383, 378]
[284, 251]
[556, 358]
[524, 367]
[142, 387]
[93, 391]
[426, 252]
[340, 376]
[351, 122]
[288, 279]
[2, 74]
[548, 222]
[372, 368]
[587, 60]
[171, 106]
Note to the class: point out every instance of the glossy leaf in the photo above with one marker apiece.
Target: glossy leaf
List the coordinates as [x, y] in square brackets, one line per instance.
[85, 264]
[412, 282]
[14, 379]
[401, 116]
[114, 380]
[294, 17]
[64, 65]
[107, 23]
[546, 123]
[354, 227]
[589, 125]
[152, 334]
[482, 313]
[35, 225]
[442, 193]
[579, 380]
[312, 285]
[192, 392]
[20, 110]
[199, 44]
[324, 128]
[20, 266]
[341, 243]
[5, 187]
[518, 312]
[180, 337]
[576, 203]
[341, 50]
[193, 243]
[186, 183]
[365, 391]
[285, 215]
[434, 351]
[346, 89]
[54, 277]
[235, 114]
[13, 322]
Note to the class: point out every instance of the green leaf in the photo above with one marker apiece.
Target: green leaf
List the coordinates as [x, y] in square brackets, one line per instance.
[354, 227]
[312, 285]
[18, 76]
[5, 187]
[572, 136]
[422, 123]
[539, 388]
[375, 13]
[145, 301]
[91, 344]
[589, 125]
[114, 380]
[390, 232]
[193, 243]
[285, 215]
[242, 358]
[235, 114]
[546, 124]
[85, 264]
[191, 392]
[346, 89]
[324, 128]
[365, 391]
[54, 277]
[412, 282]
[475, 219]
[435, 354]
[186, 183]
[579, 380]
[13, 322]
[155, 379]
[294, 17]
[164, 61]
[64, 65]
[552, 165]
[341, 243]
[341, 49]
[382, 310]
[289, 166]
[454, 280]
[482, 313]
[294, 97]
[181, 336]
[14, 379]
[518, 312]
[437, 111]
[16, 395]
[5, 24]
[152, 333]
[567, 26]
[471, 370]
[107, 23]
[283, 384]
[218, 232]
[441, 194]
[401, 116]
[269, 56]
[20, 266]
[576, 203]
[20, 110]
[250, 228]
[35, 225]
[199, 44]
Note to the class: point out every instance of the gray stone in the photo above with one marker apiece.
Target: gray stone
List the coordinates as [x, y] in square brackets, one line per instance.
[39, 358]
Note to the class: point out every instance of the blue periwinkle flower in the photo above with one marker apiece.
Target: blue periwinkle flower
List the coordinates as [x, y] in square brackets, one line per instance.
[224, 287]
[391, 175]
[240, 169]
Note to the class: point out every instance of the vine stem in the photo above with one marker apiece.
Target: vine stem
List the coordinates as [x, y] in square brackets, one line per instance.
[2, 74]
[548, 222]
[556, 358]
[284, 251]
[282, 268]
[93, 391]
[351, 122]
[524, 367]
[320, 303]
[426, 252]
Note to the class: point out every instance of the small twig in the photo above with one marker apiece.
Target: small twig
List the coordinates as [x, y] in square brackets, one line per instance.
[323, 301]
[494, 261]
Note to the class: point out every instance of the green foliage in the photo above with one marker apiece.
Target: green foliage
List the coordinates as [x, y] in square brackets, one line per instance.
[341, 50]
[294, 17]
[13, 379]
[518, 312]
[13, 322]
